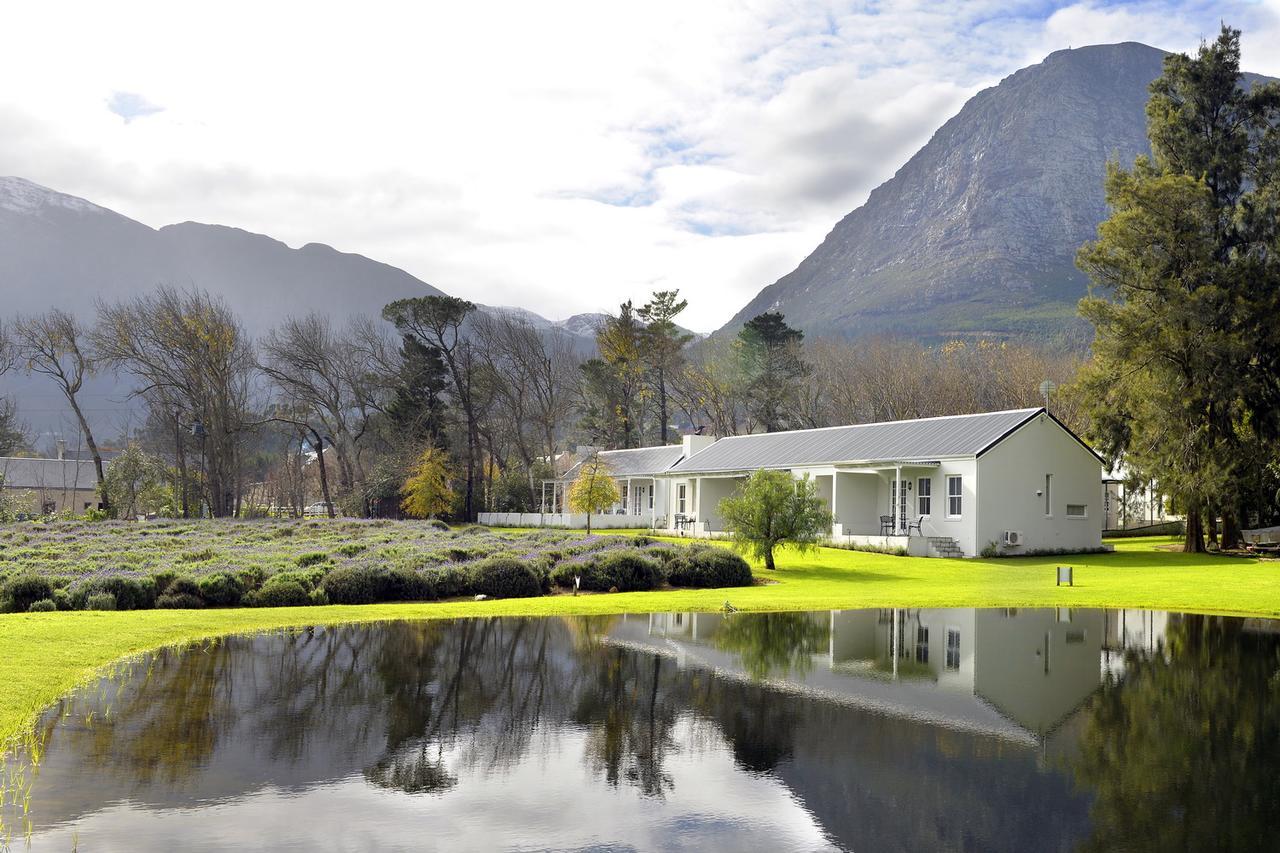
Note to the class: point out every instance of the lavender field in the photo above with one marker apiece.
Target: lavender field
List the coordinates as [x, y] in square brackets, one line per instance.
[197, 563]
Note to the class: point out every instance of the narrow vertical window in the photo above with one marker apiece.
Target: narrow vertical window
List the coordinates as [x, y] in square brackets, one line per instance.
[953, 648]
[1048, 494]
[924, 495]
[955, 492]
[680, 495]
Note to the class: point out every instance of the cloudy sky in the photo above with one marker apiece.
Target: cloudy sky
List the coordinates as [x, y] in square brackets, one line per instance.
[562, 156]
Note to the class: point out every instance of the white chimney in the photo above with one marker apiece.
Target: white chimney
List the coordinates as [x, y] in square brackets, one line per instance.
[62, 448]
[694, 443]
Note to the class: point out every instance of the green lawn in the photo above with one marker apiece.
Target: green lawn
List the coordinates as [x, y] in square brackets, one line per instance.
[44, 655]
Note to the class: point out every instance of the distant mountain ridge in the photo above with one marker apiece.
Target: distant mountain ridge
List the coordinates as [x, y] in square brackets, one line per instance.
[977, 234]
[59, 249]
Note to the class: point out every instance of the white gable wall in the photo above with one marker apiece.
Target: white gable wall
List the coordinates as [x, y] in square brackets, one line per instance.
[1011, 473]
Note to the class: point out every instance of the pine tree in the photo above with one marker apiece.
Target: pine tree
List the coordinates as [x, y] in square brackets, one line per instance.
[1185, 375]
[773, 368]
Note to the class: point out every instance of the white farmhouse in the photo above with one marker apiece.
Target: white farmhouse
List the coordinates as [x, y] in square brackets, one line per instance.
[944, 486]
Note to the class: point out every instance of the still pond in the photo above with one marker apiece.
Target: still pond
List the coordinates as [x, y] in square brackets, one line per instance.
[1000, 729]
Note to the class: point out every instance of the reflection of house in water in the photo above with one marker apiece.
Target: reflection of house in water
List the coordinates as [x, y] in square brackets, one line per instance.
[1012, 673]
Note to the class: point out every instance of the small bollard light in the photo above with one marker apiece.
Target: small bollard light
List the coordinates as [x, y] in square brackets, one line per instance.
[577, 582]
[1064, 576]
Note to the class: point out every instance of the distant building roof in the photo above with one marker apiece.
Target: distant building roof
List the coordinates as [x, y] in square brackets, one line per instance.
[922, 439]
[638, 462]
[23, 473]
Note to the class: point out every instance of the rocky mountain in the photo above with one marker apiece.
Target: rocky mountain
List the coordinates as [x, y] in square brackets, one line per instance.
[977, 234]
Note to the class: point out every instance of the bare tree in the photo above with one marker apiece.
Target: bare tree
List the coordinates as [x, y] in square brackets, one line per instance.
[531, 376]
[331, 383]
[56, 345]
[187, 349]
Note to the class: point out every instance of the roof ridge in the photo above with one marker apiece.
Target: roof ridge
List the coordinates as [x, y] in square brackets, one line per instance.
[1028, 411]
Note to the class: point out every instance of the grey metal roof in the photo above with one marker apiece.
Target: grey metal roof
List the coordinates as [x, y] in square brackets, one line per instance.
[924, 439]
[639, 462]
[57, 474]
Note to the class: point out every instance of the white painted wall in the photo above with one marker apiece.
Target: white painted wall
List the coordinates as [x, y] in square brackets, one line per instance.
[712, 490]
[1011, 473]
[857, 508]
[938, 522]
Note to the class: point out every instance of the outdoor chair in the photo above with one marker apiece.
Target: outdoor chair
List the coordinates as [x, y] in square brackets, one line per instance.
[916, 526]
[886, 525]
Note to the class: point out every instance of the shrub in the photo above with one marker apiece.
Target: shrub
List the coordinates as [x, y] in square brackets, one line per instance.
[62, 599]
[251, 578]
[368, 584]
[990, 550]
[436, 524]
[163, 578]
[709, 567]
[350, 549]
[352, 585]
[505, 577]
[623, 571]
[25, 590]
[446, 582]
[281, 591]
[312, 559]
[130, 593]
[180, 601]
[221, 589]
[44, 605]
[95, 514]
[100, 601]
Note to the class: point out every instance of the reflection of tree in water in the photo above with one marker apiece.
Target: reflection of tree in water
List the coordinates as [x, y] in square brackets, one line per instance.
[626, 701]
[1184, 754]
[416, 704]
[168, 727]
[772, 643]
[758, 722]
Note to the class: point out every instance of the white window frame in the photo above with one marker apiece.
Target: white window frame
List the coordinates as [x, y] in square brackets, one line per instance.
[947, 650]
[682, 495]
[651, 491]
[924, 496]
[957, 496]
[1084, 511]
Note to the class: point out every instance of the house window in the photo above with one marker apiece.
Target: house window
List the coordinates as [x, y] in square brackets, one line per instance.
[650, 497]
[681, 491]
[626, 492]
[922, 644]
[1077, 511]
[955, 490]
[953, 648]
[1048, 495]
[924, 495]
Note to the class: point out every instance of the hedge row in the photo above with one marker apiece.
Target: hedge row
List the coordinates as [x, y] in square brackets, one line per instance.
[316, 582]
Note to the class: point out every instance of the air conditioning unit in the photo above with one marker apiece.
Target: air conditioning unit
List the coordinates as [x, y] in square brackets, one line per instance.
[1013, 538]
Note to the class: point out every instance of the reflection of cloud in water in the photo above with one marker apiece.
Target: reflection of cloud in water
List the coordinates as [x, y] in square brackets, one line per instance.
[719, 808]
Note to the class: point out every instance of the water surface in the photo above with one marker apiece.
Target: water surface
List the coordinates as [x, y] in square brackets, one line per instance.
[962, 729]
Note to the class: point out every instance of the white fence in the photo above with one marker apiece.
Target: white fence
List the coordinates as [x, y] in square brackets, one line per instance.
[563, 519]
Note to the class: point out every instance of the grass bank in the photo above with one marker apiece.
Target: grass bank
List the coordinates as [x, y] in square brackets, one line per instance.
[44, 655]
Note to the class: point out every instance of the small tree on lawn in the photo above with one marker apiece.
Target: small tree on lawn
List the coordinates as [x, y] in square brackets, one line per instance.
[427, 492]
[594, 488]
[771, 508]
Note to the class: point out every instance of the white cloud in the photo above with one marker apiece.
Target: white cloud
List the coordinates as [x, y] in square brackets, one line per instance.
[562, 156]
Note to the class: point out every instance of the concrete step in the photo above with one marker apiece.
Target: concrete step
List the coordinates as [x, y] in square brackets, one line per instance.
[945, 546]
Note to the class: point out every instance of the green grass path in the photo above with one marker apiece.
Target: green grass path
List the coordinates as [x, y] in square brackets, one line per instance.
[44, 655]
